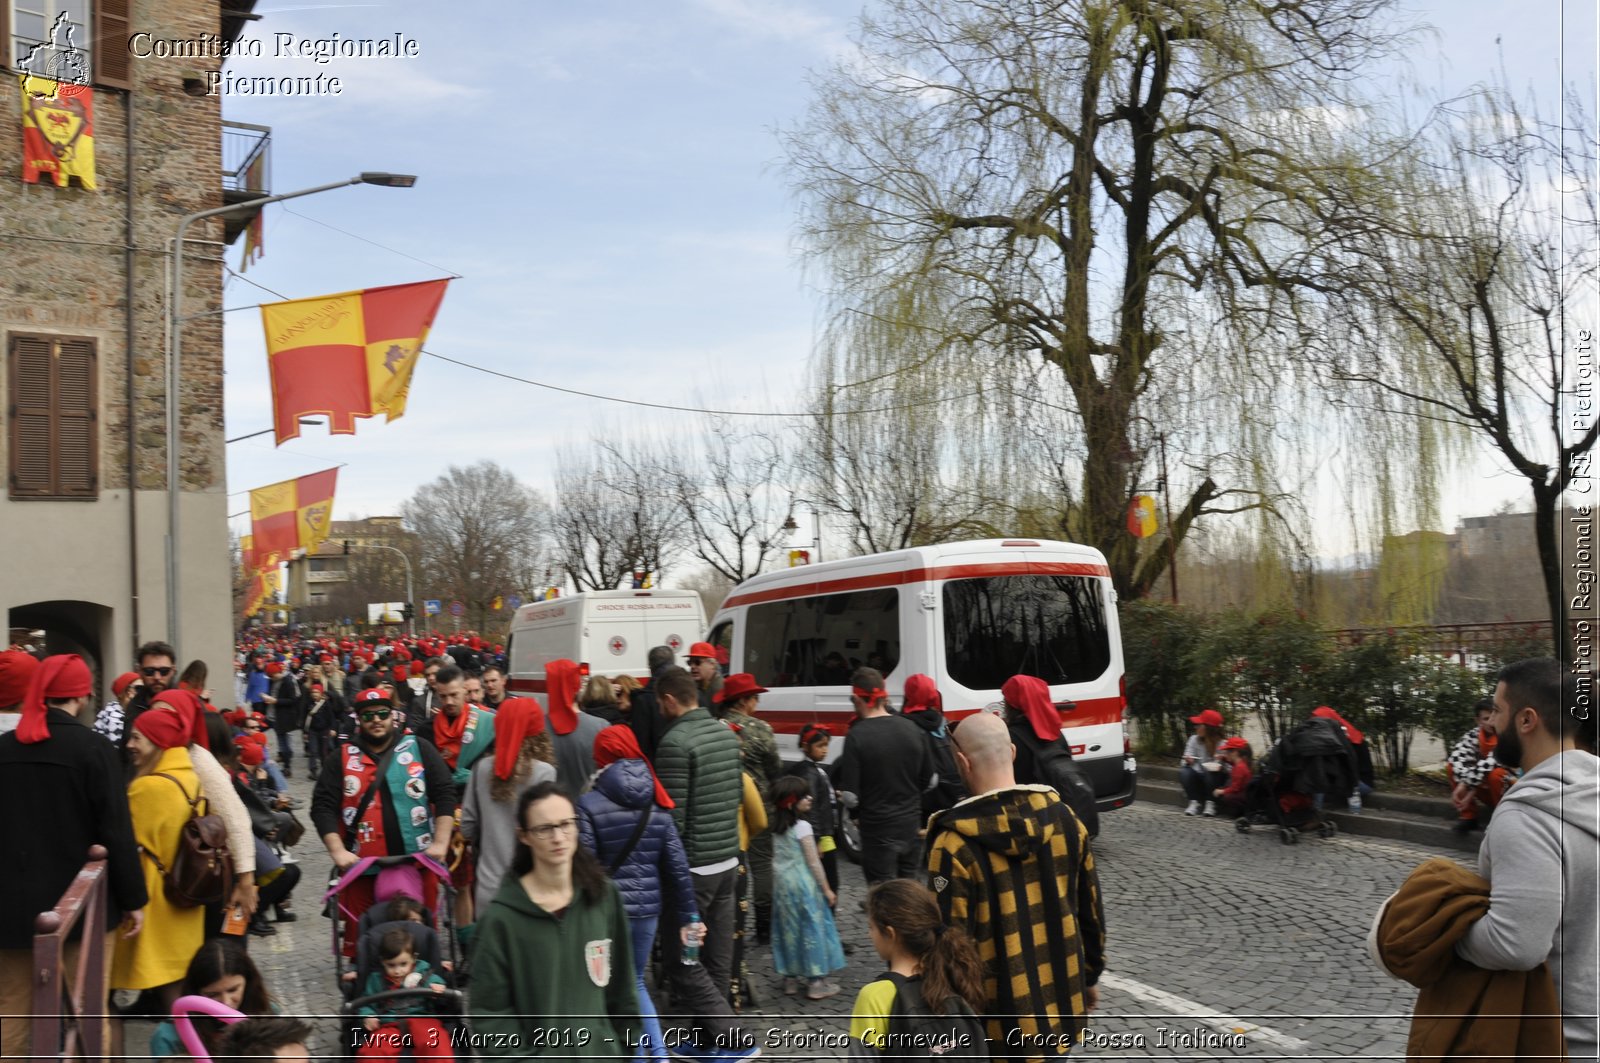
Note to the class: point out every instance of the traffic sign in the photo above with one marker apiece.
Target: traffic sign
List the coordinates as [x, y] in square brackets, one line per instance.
[456, 609]
[514, 601]
[431, 606]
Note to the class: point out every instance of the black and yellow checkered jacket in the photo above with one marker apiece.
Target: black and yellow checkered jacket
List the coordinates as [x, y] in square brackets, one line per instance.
[1013, 869]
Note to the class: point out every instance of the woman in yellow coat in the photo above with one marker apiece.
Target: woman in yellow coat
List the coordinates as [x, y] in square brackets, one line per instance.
[158, 957]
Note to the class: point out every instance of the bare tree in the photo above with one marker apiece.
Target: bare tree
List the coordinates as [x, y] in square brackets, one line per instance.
[614, 515]
[1474, 282]
[733, 484]
[477, 527]
[1129, 195]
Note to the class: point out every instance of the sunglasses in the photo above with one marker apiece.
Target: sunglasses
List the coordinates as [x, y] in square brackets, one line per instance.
[155, 671]
[378, 714]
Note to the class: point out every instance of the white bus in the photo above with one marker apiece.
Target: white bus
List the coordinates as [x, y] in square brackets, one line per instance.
[969, 614]
[609, 631]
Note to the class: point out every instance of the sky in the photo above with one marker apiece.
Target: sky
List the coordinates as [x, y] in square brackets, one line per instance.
[606, 180]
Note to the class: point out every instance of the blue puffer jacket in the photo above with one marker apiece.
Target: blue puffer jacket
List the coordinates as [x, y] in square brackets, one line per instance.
[607, 817]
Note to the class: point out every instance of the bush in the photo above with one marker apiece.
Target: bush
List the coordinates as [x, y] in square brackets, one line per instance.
[1276, 663]
[1173, 671]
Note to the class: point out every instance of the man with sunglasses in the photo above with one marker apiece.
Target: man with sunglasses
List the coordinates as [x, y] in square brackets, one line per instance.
[383, 793]
[157, 663]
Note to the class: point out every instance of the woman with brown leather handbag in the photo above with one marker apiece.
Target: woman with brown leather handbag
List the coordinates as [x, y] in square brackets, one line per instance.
[159, 799]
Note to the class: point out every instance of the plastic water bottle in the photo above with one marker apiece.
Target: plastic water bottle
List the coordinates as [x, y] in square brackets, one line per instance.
[1355, 801]
[691, 951]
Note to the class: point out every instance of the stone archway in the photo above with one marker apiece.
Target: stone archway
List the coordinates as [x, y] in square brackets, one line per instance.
[77, 627]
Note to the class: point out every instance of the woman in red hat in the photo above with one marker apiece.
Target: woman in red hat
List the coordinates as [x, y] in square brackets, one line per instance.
[523, 757]
[158, 797]
[1203, 771]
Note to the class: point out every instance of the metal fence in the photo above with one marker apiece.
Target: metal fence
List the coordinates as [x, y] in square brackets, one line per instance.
[71, 1024]
[246, 157]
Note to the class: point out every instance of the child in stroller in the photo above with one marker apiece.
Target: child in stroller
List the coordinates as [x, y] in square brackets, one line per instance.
[1315, 758]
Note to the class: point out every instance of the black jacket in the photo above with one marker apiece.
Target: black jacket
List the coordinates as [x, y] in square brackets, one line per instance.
[949, 789]
[887, 764]
[328, 797]
[76, 777]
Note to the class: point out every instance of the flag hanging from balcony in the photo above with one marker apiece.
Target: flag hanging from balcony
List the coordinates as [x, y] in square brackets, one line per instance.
[57, 131]
[291, 515]
[347, 355]
[254, 233]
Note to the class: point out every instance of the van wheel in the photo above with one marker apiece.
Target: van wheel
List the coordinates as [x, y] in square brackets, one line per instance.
[848, 835]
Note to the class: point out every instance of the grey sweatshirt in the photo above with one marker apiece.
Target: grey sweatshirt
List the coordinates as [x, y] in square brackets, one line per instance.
[491, 826]
[1541, 856]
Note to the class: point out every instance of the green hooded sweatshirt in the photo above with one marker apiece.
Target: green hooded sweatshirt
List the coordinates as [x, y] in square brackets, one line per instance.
[549, 988]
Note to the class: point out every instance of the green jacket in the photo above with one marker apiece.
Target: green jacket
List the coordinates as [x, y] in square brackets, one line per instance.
[760, 750]
[548, 988]
[698, 761]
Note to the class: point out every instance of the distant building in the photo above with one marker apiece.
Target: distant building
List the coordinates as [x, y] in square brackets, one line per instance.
[84, 298]
[336, 581]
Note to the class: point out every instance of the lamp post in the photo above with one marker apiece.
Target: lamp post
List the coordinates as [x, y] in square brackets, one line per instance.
[175, 320]
[791, 527]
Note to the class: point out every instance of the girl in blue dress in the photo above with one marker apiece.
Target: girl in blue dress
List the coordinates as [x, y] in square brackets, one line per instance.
[805, 943]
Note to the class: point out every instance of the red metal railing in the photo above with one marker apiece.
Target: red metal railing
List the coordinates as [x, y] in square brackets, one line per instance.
[77, 1014]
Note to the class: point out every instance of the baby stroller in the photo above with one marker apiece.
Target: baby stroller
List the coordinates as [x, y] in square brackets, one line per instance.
[1315, 758]
[434, 941]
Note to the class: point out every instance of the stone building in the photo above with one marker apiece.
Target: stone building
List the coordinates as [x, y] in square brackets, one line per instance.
[84, 304]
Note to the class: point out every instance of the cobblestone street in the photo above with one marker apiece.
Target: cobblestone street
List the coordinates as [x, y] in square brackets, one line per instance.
[1221, 945]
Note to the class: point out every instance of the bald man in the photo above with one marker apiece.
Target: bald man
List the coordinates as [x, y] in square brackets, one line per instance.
[1042, 960]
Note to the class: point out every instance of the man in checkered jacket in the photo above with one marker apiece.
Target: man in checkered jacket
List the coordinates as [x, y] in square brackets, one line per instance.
[1011, 866]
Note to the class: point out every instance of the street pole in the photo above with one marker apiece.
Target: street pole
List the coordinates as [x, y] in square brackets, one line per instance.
[175, 320]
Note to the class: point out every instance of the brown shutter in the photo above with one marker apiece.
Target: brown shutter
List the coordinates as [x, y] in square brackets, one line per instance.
[54, 418]
[77, 449]
[31, 472]
[113, 66]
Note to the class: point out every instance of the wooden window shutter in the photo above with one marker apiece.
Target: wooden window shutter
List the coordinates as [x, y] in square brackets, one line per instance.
[54, 418]
[113, 66]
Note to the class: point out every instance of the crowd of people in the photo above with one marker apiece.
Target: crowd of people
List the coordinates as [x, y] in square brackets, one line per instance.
[618, 826]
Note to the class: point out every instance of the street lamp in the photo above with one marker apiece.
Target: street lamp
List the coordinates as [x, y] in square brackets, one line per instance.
[791, 527]
[175, 320]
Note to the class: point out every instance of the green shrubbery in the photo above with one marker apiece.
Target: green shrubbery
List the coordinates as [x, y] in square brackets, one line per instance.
[1278, 666]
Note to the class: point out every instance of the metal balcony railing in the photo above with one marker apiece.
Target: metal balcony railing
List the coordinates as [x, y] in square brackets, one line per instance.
[246, 160]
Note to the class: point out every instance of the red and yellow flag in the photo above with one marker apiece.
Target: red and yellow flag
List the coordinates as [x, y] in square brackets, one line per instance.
[263, 589]
[348, 355]
[57, 131]
[255, 232]
[290, 515]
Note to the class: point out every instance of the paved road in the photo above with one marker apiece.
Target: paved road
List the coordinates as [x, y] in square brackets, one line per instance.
[1221, 945]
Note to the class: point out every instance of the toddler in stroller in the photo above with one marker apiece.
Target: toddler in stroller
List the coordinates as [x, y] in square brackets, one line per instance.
[1315, 758]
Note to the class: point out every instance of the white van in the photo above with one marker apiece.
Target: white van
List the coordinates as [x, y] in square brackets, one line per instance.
[970, 615]
[609, 631]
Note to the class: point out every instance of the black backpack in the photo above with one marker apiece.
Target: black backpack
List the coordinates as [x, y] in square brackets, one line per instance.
[915, 1032]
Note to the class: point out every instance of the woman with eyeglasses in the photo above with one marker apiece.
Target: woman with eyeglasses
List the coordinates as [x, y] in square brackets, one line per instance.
[552, 974]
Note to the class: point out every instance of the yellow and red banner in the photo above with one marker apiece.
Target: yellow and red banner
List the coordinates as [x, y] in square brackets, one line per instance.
[263, 589]
[290, 515]
[57, 131]
[347, 355]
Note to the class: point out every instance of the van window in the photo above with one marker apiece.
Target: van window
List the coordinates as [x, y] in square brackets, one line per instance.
[1053, 627]
[721, 637]
[819, 641]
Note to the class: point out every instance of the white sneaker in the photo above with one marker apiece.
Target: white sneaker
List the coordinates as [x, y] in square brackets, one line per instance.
[1211, 809]
[1193, 809]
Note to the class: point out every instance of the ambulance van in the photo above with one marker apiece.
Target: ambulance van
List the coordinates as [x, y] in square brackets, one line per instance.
[968, 614]
[608, 631]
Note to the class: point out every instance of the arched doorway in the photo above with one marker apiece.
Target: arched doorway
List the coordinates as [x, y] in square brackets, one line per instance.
[83, 628]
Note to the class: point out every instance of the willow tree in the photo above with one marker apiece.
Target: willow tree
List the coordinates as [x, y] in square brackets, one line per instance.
[1128, 196]
[1474, 282]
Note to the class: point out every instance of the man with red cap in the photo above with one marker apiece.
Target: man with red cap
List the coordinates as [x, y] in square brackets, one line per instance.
[887, 764]
[108, 722]
[383, 793]
[707, 673]
[52, 762]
